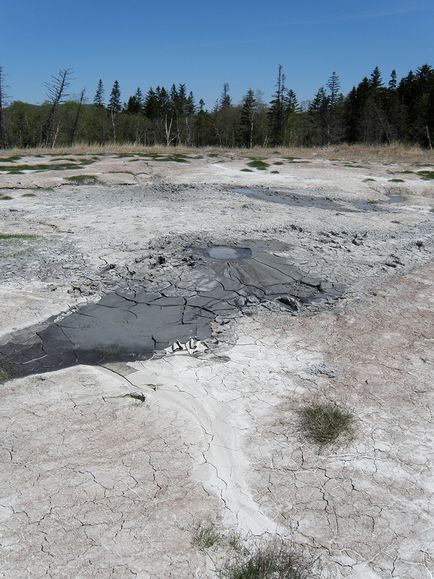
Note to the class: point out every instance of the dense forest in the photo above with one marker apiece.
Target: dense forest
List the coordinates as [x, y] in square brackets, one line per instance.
[375, 111]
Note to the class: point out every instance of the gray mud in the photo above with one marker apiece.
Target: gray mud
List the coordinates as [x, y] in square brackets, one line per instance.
[134, 324]
[304, 201]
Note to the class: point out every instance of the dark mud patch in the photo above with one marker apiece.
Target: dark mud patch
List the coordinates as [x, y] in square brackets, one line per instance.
[307, 201]
[125, 326]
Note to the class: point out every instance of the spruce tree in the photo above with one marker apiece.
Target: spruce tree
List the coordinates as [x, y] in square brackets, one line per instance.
[277, 110]
[115, 106]
[376, 81]
[98, 99]
[247, 124]
[225, 99]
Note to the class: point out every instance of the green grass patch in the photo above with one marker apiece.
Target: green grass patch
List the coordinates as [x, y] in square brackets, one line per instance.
[247, 170]
[274, 172]
[325, 423]
[10, 159]
[368, 180]
[278, 163]
[205, 537]
[258, 163]
[270, 562]
[28, 195]
[396, 181]
[5, 197]
[8, 371]
[83, 180]
[17, 236]
[39, 168]
[428, 175]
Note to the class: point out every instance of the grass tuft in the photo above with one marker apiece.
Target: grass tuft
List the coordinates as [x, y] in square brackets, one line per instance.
[276, 561]
[83, 179]
[258, 163]
[8, 371]
[325, 423]
[17, 236]
[426, 174]
[205, 537]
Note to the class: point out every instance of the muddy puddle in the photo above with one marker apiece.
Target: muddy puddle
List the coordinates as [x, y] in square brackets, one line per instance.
[125, 326]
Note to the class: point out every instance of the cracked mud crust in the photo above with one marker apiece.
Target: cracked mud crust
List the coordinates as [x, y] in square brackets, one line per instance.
[108, 469]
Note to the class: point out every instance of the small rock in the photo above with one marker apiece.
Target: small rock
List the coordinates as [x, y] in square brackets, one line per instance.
[419, 242]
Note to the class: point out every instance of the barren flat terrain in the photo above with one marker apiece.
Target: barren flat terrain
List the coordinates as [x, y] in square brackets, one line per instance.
[166, 320]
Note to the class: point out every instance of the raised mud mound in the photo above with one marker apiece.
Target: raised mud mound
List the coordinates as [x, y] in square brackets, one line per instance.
[129, 325]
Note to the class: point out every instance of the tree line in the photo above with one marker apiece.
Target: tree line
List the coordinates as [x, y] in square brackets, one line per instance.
[375, 111]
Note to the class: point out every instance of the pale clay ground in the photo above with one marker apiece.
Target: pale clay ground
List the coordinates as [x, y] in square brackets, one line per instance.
[95, 484]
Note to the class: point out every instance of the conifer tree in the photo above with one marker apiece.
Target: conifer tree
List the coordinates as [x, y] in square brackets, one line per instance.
[115, 106]
[247, 124]
[98, 99]
[277, 110]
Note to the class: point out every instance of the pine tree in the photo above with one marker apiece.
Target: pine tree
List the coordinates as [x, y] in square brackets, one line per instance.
[277, 111]
[334, 131]
[290, 102]
[319, 112]
[225, 99]
[115, 106]
[135, 103]
[376, 81]
[248, 113]
[393, 81]
[98, 99]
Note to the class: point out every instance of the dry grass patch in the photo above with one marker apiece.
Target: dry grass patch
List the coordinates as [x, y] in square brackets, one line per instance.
[325, 423]
[205, 536]
[274, 561]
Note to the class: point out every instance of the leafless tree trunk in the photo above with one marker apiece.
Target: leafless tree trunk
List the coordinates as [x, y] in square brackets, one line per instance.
[428, 136]
[168, 130]
[56, 93]
[77, 117]
[2, 99]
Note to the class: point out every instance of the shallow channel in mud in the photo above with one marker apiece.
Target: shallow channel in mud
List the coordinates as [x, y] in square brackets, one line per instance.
[129, 325]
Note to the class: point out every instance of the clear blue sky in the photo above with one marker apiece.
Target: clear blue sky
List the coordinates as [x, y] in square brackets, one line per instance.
[206, 43]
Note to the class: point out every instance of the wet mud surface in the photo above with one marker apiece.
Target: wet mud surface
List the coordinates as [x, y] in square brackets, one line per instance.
[128, 325]
[306, 201]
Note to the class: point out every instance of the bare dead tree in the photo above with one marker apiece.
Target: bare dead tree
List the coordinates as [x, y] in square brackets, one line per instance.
[77, 117]
[56, 92]
[2, 104]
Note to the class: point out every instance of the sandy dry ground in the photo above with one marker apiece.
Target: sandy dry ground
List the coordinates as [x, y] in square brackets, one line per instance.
[97, 483]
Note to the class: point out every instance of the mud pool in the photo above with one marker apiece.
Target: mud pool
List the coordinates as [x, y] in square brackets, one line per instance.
[125, 326]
